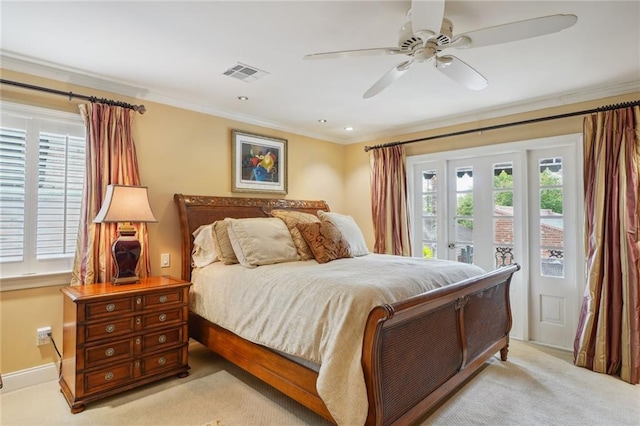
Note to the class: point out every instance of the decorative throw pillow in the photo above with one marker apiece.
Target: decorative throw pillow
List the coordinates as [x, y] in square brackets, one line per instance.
[261, 241]
[204, 250]
[292, 218]
[325, 241]
[222, 243]
[349, 229]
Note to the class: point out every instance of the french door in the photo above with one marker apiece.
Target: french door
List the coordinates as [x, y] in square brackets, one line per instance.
[493, 210]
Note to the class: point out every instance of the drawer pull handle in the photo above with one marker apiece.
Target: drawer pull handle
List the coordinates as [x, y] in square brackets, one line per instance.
[162, 317]
[110, 328]
[163, 298]
[137, 364]
[162, 360]
[111, 307]
[108, 376]
[138, 341]
[162, 338]
[139, 300]
[138, 321]
[109, 352]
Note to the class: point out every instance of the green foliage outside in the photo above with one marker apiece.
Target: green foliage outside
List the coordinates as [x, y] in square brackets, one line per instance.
[550, 198]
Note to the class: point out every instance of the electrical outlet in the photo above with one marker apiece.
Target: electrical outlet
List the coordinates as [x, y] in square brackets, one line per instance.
[43, 335]
[165, 260]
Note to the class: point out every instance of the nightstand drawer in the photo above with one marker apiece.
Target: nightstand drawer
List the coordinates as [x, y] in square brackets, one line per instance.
[112, 308]
[110, 352]
[162, 318]
[109, 329]
[108, 377]
[162, 361]
[119, 337]
[161, 299]
[156, 341]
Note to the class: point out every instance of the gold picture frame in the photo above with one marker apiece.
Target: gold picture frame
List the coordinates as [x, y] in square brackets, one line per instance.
[258, 163]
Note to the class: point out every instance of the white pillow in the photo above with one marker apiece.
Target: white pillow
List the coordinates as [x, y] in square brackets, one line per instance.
[204, 251]
[261, 241]
[349, 229]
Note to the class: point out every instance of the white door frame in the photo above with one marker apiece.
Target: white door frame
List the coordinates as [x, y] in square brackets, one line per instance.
[520, 300]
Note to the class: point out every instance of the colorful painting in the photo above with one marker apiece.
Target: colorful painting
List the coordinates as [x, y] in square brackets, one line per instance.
[259, 163]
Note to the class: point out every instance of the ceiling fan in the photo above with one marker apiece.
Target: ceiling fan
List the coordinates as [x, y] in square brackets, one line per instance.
[427, 33]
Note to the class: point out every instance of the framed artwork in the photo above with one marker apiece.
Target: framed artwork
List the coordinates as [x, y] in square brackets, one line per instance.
[259, 163]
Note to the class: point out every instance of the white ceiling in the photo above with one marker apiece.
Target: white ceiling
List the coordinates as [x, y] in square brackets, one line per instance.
[175, 53]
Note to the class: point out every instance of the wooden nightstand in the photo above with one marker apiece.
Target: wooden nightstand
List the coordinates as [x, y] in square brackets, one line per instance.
[118, 337]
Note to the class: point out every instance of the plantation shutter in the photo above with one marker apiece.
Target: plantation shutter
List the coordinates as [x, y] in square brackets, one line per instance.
[13, 159]
[42, 164]
[60, 176]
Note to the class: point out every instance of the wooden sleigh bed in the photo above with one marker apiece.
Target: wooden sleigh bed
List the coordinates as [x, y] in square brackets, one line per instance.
[433, 341]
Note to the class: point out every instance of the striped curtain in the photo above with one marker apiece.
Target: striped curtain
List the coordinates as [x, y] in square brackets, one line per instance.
[389, 201]
[608, 335]
[111, 159]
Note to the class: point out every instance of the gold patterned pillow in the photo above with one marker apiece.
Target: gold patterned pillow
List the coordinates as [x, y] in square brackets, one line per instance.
[292, 218]
[325, 241]
[222, 243]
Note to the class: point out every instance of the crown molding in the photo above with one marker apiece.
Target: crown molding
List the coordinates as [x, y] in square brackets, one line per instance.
[56, 72]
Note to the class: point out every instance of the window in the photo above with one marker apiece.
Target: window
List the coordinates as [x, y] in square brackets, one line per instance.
[42, 163]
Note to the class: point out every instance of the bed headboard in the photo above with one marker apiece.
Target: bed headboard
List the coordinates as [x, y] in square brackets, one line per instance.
[197, 210]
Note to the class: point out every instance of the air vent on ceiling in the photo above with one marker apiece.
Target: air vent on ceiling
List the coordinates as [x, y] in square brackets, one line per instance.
[245, 73]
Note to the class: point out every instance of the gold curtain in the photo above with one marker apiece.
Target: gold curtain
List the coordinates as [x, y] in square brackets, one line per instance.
[111, 159]
[608, 335]
[389, 201]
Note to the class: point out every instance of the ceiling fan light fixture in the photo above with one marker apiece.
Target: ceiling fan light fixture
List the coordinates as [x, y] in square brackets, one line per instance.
[243, 98]
[322, 120]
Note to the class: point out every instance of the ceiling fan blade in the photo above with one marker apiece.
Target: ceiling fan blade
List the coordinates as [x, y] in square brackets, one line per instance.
[460, 72]
[356, 53]
[426, 16]
[516, 31]
[391, 76]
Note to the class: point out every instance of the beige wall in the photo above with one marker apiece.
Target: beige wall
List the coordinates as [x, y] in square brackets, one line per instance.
[178, 151]
[188, 152]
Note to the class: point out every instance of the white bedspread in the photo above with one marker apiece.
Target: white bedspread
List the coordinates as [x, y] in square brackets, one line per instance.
[318, 311]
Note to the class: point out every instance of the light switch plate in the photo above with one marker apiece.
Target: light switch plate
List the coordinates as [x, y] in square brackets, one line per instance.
[165, 260]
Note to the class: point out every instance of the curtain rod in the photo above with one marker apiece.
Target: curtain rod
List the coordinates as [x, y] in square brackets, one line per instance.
[515, 123]
[139, 108]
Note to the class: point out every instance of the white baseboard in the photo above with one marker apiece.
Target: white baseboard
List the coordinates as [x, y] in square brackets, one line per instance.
[29, 377]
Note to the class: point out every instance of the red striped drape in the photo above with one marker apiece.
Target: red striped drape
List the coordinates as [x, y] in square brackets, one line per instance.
[608, 335]
[389, 201]
[111, 159]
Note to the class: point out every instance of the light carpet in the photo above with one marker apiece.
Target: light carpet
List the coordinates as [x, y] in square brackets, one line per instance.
[536, 386]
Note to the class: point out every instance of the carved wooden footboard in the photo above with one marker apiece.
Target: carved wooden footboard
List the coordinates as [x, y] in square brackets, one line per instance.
[415, 352]
[418, 351]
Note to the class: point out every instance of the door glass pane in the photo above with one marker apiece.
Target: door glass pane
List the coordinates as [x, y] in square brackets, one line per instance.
[503, 176]
[464, 179]
[551, 171]
[429, 204]
[551, 218]
[464, 230]
[429, 211]
[503, 222]
[503, 230]
[429, 250]
[552, 263]
[464, 253]
[429, 229]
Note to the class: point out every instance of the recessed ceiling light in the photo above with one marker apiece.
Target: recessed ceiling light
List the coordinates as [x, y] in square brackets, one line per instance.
[349, 129]
[322, 120]
[243, 98]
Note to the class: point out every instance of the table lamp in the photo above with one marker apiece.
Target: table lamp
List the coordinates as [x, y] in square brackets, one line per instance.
[125, 204]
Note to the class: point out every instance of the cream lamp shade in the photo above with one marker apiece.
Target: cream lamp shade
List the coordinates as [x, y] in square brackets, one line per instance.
[125, 204]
